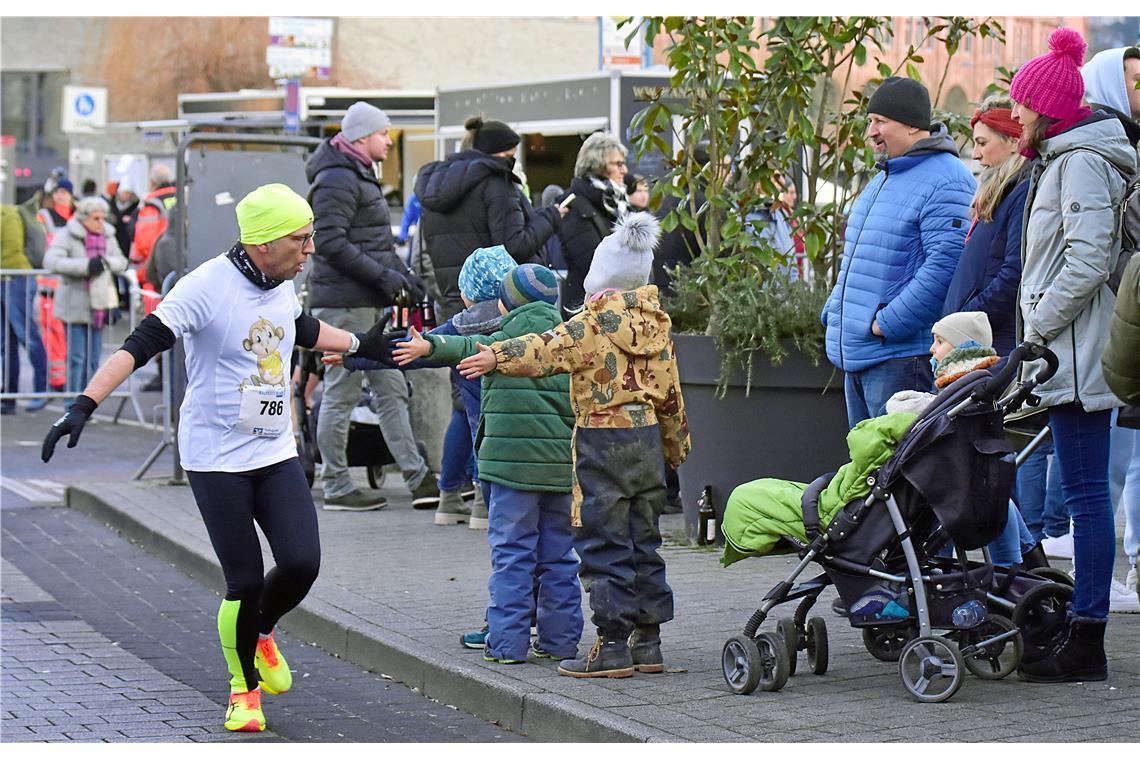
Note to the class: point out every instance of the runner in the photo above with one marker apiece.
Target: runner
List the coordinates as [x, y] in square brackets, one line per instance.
[240, 318]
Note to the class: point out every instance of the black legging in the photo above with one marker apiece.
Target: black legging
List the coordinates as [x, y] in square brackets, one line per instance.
[277, 497]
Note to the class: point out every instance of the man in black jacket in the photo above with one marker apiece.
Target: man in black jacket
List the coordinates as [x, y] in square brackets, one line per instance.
[472, 199]
[356, 272]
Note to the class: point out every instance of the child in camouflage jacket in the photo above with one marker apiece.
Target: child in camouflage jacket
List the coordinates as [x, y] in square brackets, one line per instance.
[629, 419]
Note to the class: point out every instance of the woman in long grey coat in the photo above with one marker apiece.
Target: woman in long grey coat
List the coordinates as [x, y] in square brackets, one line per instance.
[87, 255]
[1069, 247]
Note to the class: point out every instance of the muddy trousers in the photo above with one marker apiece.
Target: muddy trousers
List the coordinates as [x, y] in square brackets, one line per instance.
[278, 500]
[621, 473]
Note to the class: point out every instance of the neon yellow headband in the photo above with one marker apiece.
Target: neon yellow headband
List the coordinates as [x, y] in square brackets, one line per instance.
[271, 212]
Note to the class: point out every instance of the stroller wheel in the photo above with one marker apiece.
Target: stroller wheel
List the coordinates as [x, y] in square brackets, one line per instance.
[996, 660]
[748, 663]
[786, 627]
[886, 642]
[1040, 616]
[931, 668]
[1054, 574]
[817, 651]
[376, 475]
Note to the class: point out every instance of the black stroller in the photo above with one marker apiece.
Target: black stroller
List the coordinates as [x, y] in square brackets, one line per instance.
[949, 479]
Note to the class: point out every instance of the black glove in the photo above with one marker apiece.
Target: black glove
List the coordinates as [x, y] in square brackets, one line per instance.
[95, 266]
[377, 345]
[71, 422]
[416, 287]
[392, 286]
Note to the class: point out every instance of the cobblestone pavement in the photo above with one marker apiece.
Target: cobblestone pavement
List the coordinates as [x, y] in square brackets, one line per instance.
[64, 681]
[124, 647]
[392, 581]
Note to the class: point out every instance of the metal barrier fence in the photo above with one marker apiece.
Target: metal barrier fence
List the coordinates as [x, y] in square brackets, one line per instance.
[43, 358]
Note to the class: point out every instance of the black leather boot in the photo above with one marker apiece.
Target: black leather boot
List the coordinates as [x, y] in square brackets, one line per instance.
[1034, 558]
[608, 658]
[1079, 656]
[645, 648]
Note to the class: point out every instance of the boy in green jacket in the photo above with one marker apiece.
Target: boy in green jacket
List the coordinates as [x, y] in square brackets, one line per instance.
[523, 450]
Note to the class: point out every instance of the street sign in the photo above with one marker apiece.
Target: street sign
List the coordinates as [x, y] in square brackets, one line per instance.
[84, 109]
[613, 52]
[299, 47]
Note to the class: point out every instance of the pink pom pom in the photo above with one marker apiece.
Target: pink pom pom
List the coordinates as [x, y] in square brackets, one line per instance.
[1068, 42]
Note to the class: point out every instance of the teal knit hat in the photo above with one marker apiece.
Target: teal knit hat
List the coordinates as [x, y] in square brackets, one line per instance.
[482, 272]
[528, 283]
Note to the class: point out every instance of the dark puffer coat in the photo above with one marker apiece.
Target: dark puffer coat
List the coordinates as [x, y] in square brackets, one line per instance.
[582, 230]
[355, 263]
[473, 200]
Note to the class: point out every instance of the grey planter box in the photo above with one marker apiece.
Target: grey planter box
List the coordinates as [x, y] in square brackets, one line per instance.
[788, 427]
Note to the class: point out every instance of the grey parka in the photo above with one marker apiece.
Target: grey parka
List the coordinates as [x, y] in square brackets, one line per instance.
[1070, 244]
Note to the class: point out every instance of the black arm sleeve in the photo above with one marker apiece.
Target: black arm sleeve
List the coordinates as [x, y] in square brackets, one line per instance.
[308, 330]
[150, 338]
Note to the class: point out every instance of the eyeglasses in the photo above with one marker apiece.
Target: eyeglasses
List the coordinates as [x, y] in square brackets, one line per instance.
[302, 239]
[616, 163]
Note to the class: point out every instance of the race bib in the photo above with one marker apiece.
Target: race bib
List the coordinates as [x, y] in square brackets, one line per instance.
[264, 411]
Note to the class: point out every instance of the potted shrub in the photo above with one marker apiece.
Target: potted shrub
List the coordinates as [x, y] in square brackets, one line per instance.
[750, 109]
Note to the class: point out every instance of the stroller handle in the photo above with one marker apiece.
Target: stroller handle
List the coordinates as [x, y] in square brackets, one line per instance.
[1024, 352]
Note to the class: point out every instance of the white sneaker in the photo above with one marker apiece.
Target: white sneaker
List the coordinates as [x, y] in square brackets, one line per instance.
[1130, 580]
[1060, 547]
[1120, 599]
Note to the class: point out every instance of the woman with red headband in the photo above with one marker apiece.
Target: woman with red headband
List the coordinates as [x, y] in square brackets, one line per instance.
[989, 269]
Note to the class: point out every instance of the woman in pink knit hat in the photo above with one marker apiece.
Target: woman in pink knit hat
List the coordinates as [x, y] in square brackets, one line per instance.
[1069, 247]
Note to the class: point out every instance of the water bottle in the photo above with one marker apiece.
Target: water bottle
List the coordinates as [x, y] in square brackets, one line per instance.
[968, 615]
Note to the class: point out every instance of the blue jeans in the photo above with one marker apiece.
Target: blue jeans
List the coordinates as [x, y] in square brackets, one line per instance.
[455, 467]
[1081, 441]
[529, 534]
[1038, 494]
[18, 327]
[1124, 483]
[84, 347]
[868, 390]
[1007, 549]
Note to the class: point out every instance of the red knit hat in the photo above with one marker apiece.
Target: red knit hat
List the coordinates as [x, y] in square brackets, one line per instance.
[1051, 84]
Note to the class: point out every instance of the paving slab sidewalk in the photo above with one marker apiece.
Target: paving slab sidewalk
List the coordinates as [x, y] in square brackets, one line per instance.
[395, 593]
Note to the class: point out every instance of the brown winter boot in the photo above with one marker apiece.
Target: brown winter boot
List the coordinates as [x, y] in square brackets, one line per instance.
[608, 658]
[645, 648]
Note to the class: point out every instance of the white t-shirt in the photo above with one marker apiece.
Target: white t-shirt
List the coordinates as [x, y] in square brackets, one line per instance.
[236, 415]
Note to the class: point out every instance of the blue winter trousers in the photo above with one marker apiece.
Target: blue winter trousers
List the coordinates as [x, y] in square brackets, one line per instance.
[529, 534]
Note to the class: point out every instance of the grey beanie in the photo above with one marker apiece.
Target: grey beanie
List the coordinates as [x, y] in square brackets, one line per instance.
[361, 120]
[964, 326]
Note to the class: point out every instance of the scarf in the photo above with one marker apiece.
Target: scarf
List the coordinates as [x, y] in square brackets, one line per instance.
[1081, 114]
[967, 357]
[614, 201]
[96, 245]
[240, 259]
[341, 145]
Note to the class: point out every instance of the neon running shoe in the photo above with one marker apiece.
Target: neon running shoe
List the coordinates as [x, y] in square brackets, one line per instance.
[271, 666]
[488, 657]
[244, 712]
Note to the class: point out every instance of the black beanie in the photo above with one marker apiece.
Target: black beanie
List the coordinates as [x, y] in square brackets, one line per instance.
[905, 100]
[492, 136]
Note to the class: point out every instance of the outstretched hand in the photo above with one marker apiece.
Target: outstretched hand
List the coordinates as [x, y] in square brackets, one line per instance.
[71, 422]
[478, 364]
[377, 344]
[415, 347]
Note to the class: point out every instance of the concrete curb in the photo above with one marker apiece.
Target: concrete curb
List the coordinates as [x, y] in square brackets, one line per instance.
[537, 713]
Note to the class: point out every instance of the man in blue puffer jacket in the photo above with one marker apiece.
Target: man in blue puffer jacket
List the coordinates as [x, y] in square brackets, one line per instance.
[903, 239]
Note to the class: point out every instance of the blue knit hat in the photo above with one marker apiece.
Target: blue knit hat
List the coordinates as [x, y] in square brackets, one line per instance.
[482, 272]
[528, 283]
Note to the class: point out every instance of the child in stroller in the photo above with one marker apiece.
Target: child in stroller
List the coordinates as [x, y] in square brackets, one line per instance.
[943, 475]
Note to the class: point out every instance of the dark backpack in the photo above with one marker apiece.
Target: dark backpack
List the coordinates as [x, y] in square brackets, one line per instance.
[1129, 230]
